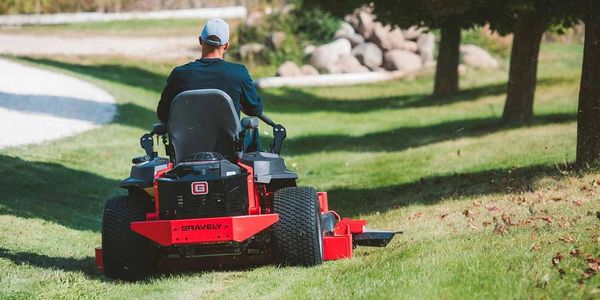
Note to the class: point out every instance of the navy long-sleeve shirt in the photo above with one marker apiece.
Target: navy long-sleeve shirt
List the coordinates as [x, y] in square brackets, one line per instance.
[212, 73]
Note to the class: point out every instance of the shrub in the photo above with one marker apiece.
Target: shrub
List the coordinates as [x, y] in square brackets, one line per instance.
[314, 25]
[301, 27]
[484, 38]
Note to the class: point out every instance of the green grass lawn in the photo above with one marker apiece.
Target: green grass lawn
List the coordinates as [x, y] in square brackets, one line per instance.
[484, 208]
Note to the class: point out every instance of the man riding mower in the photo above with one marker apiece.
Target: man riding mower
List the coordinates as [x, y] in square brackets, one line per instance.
[216, 201]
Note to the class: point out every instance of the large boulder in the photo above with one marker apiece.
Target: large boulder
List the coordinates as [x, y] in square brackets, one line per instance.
[401, 60]
[289, 68]
[366, 25]
[462, 69]
[412, 33]
[386, 38]
[476, 57]
[352, 19]
[309, 70]
[426, 45]
[249, 52]
[396, 38]
[287, 9]
[346, 28]
[254, 18]
[369, 55]
[309, 49]
[328, 54]
[354, 38]
[346, 64]
[276, 39]
[410, 46]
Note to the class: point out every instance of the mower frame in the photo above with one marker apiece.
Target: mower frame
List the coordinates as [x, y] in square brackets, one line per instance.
[338, 238]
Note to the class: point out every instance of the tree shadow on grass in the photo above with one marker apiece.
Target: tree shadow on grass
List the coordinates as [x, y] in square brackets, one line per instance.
[429, 191]
[349, 203]
[75, 198]
[70, 264]
[299, 101]
[88, 266]
[135, 116]
[85, 265]
[53, 192]
[406, 137]
[293, 100]
[127, 75]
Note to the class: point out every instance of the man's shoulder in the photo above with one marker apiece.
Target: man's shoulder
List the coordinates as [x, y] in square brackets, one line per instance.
[236, 68]
[239, 71]
[183, 68]
[236, 65]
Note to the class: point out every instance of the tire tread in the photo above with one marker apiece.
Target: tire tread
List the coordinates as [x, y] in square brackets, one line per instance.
[127, 255]
[296, 235]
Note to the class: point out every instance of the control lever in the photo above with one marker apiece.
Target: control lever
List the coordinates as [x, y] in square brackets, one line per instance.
[267, 120]
[147, 143]
[279, 134]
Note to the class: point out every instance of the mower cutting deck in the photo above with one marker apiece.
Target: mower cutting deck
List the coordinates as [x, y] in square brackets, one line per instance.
[211, 204]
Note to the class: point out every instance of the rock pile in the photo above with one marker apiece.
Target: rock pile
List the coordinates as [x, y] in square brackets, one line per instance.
[362, 45]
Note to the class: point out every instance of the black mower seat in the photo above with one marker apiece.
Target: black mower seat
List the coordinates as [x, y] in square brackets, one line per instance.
[203, 121]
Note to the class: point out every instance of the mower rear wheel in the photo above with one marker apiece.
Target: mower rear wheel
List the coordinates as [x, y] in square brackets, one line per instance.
[127, 255]
[297, 237]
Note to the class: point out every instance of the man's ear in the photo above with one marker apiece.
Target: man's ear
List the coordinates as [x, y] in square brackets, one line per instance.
[200, 40]
[226, 46]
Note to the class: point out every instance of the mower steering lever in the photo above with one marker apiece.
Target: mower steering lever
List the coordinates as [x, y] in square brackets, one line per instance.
[147, 143]
[279, 133]
[267, 120]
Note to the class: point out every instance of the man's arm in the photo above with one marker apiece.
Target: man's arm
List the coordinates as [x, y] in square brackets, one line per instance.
[250, 101]
[166, 98]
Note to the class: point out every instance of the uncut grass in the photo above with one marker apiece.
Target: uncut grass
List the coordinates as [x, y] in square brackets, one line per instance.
[385, 152]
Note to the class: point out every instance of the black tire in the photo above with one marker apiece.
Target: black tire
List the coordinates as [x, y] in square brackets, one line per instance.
[297, 237]
[127, 255]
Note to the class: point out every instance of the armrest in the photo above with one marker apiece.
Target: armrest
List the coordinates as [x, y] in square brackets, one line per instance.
[159, 128]
[250, 122]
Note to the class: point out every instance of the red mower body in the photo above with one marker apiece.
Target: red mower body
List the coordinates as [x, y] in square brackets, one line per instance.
[206, 211]
[337, 244]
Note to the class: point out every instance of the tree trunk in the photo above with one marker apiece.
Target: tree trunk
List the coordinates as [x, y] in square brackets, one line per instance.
[523, 68]
[588, 114]
[446, 73]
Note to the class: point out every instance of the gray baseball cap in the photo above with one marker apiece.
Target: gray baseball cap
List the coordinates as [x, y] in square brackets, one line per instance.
[218, 28]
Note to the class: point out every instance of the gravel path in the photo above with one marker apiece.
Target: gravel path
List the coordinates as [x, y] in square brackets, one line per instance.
[38, 105]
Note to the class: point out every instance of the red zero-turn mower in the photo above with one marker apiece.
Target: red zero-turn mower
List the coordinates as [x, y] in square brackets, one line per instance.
[211, 205]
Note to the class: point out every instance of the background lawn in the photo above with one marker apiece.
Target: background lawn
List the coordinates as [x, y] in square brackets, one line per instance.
[484, 208]
[139, 28]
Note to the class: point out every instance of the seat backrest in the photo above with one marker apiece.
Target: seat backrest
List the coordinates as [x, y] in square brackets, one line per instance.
[203, 121]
